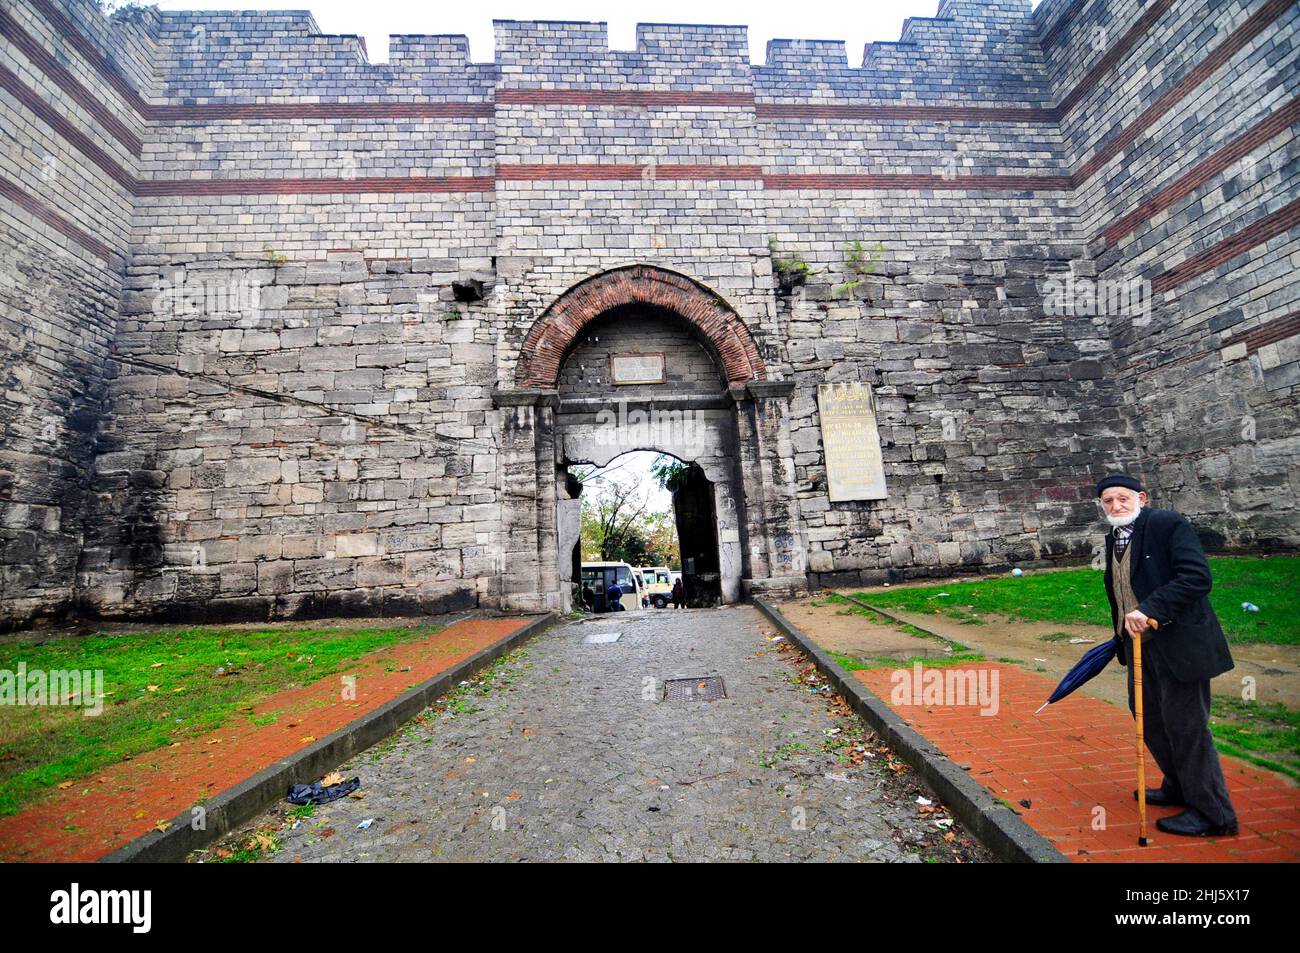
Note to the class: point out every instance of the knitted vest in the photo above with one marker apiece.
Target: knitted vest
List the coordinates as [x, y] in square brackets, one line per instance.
[1121, 585]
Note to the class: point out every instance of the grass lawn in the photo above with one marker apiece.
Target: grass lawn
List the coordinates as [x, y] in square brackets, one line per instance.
[160, 686]
[1263, 734]
[1078, 596]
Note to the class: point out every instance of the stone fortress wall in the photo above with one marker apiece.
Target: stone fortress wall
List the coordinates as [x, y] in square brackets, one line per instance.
[265, 296]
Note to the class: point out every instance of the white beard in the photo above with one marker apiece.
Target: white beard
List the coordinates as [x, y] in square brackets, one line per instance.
[1117, 521]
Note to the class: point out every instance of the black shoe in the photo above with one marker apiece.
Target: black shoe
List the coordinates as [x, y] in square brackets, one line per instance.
[1158, 798]
[1192, 823]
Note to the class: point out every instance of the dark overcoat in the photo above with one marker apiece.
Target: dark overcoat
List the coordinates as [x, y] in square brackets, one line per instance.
[1171, 580]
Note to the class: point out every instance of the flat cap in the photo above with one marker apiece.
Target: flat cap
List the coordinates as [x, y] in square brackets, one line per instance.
[1118, 479]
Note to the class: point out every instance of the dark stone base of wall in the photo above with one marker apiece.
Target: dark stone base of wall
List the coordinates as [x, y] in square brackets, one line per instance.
[356, 603]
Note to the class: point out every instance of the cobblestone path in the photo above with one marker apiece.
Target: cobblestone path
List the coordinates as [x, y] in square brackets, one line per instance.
[573, 755]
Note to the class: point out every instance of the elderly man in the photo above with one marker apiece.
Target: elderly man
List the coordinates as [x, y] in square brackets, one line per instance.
[1156, 571]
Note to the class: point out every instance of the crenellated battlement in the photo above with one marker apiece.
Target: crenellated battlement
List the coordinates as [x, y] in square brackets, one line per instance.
[984, 51]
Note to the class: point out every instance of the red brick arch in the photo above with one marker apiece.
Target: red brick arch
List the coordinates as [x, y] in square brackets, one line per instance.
[553, 334]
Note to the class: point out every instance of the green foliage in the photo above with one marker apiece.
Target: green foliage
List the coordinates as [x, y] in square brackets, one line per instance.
[1078, 597]
[670, 472]
[274, 257]
[617, 523]
[1258, 732]
[859, 262]
[44, 746]
[791, 270]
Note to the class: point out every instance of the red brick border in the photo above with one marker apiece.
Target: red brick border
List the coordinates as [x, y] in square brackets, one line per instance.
[1239, 242]
[1270, 332]
[888, 111]
[44, 111]
[622, 97]
[1113, 56]
[964, 183]
[1202, 172]
[590, 171]
[549, 339]
[398, 183]
[40, 57]
[33, 205]
[1258, 21]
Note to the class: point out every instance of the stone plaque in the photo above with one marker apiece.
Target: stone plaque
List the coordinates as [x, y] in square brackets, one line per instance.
[851, 442]
[637, 368]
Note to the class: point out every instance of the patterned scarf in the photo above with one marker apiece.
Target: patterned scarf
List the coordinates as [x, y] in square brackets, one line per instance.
[1122, 535]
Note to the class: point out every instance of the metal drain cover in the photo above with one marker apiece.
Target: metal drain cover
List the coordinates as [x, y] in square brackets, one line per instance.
[704, 689]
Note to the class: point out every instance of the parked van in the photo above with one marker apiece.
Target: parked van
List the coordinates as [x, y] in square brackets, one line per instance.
[598, 577]
[658, 585]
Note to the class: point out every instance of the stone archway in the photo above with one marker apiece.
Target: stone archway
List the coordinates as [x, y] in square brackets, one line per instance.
[541, 427]
[551, 336]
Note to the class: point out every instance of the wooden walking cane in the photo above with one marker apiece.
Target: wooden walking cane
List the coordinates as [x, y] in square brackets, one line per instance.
[1141, 744]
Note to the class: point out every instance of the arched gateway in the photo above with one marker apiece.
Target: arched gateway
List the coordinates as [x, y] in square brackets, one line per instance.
[552, 337]
[643, 358]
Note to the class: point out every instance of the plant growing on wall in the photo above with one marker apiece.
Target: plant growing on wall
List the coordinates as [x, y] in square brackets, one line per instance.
[859, 262]
[273, 256]
[791, 270]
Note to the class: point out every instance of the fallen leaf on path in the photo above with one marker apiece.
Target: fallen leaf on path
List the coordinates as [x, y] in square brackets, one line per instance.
[331, 779]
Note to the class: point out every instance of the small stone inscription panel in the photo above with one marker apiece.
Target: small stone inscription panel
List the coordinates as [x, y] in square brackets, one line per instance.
[637, 368]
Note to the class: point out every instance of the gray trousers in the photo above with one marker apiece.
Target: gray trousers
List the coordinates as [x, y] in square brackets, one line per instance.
[1176, 728]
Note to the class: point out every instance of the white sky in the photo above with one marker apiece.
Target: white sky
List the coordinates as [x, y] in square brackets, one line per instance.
[855, 21]
[637, 465]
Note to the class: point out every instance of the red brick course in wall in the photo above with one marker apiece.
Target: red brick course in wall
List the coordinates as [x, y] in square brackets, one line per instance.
[20, 91]
[622, 97]
[1152, 205]
[59, 75]
[316, 186]
[40, 210]
[974, 183]
[1279, 329]
[1220, 55]
[1201, 173]
[1113, 55]
[553, 334]
[1236, 244]
[588, 172]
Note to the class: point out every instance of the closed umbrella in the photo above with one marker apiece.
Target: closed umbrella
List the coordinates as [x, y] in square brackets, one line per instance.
[1092, 662]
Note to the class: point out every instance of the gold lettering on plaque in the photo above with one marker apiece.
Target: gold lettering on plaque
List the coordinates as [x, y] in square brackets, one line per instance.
[855, 469]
